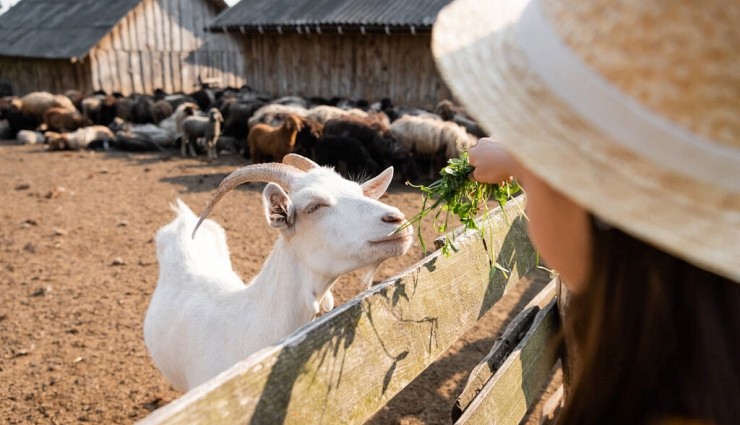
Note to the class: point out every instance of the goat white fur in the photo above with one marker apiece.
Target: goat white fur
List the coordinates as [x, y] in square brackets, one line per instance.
[202, 318]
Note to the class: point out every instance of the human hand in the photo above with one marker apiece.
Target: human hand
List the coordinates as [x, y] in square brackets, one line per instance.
[492, 161]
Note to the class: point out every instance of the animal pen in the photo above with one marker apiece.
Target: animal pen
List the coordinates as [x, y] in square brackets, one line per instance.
[348, 364]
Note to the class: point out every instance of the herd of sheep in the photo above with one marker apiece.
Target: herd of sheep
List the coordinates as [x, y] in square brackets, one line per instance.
[355, 137]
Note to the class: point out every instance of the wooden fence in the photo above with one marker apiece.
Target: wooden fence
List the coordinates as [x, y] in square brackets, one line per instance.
[347, 365]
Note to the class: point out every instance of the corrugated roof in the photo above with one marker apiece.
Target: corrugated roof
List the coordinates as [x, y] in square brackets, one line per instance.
[248, 15]
[58, 29]
[61, 29]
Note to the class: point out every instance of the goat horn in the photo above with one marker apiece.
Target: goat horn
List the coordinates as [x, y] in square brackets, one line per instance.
[300, 162]
[281, 174]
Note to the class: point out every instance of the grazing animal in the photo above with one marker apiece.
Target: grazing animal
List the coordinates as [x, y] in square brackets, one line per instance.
[62, 119]
[79, 139]
[35, 104]
[202, 318]
[346, 154]
[274, 114]
[324, 113]
[208, 128]
[431, 141]
[449, 112]
[265, 142]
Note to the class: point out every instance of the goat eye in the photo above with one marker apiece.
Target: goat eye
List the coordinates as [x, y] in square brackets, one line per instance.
[312, 208]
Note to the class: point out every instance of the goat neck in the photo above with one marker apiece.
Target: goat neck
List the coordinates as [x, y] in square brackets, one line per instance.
[285, 282]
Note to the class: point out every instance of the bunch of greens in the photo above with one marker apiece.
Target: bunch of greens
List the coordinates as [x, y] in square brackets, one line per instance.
[455, 193]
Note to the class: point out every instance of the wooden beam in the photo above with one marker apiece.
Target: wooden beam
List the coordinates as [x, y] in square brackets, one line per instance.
[502, 348]
[344, 367]
[518, 383]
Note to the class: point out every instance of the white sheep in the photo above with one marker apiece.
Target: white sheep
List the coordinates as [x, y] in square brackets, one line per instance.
[79, 139]
[202, 318]
[274, 114]
[324, 113]
[197, 127]
[173, 123]
[430, 139]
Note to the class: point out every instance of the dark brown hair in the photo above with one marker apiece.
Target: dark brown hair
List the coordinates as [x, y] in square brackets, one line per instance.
[655, 338]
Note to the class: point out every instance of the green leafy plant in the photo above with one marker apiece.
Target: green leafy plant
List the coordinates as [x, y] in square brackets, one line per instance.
[455, 193]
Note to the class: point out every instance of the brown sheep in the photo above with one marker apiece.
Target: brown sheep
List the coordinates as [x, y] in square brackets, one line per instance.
[265, 142]
[62, 119]
[162, 110]
[37, 103]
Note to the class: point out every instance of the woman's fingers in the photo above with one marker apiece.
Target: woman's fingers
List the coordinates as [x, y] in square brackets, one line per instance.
[491, 161]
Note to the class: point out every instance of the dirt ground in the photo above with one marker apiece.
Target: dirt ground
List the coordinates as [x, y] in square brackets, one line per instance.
[78, 267]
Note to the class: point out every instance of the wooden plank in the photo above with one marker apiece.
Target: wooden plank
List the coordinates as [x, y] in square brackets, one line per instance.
[124, 33]
[344, 367]
[177, 85]
[166, 23]
[186, 26]
[502, 348]
[150, 25]
[160, 26]
[176, 26]
[520, 380]
[167, 72]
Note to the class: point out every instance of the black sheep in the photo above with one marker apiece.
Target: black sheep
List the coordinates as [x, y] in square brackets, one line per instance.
[307, 137]
[236, 113]
[382, 149]
[17, 120]
[337, 151]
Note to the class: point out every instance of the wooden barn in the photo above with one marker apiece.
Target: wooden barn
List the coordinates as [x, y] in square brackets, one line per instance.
[126, 46]
[362, 49]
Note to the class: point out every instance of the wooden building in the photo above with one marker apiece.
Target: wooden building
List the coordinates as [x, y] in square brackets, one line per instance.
[126, 46]
[361, 49]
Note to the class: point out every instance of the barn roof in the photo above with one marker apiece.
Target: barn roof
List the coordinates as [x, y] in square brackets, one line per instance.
[329, 15]
[61, 29]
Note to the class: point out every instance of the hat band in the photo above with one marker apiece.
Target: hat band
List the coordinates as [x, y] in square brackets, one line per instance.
[617, 115]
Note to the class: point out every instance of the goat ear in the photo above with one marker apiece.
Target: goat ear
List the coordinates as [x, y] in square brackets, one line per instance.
[278, 207]
[376, 187]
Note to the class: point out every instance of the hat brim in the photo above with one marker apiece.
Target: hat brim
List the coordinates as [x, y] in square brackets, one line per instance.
[477, 53]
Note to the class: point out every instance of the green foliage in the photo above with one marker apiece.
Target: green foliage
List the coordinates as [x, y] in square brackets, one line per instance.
[455, 193]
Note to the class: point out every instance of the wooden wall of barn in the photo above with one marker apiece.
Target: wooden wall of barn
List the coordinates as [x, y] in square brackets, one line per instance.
[55, 76]
[358, 66]
[163, 44]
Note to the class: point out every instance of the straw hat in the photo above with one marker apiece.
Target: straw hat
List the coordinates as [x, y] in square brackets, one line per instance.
[629, 107]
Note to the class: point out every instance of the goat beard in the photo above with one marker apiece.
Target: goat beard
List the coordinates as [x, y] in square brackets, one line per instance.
[368, 273]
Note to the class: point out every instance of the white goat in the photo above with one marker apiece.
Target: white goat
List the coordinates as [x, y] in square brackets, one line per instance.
[202, 318]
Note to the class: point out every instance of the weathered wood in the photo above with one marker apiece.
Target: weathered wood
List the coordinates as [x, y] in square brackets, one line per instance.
[552, 407]
[348, 364]
[518, 383]
[502, 348]
[370, 67]
[56, 76]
